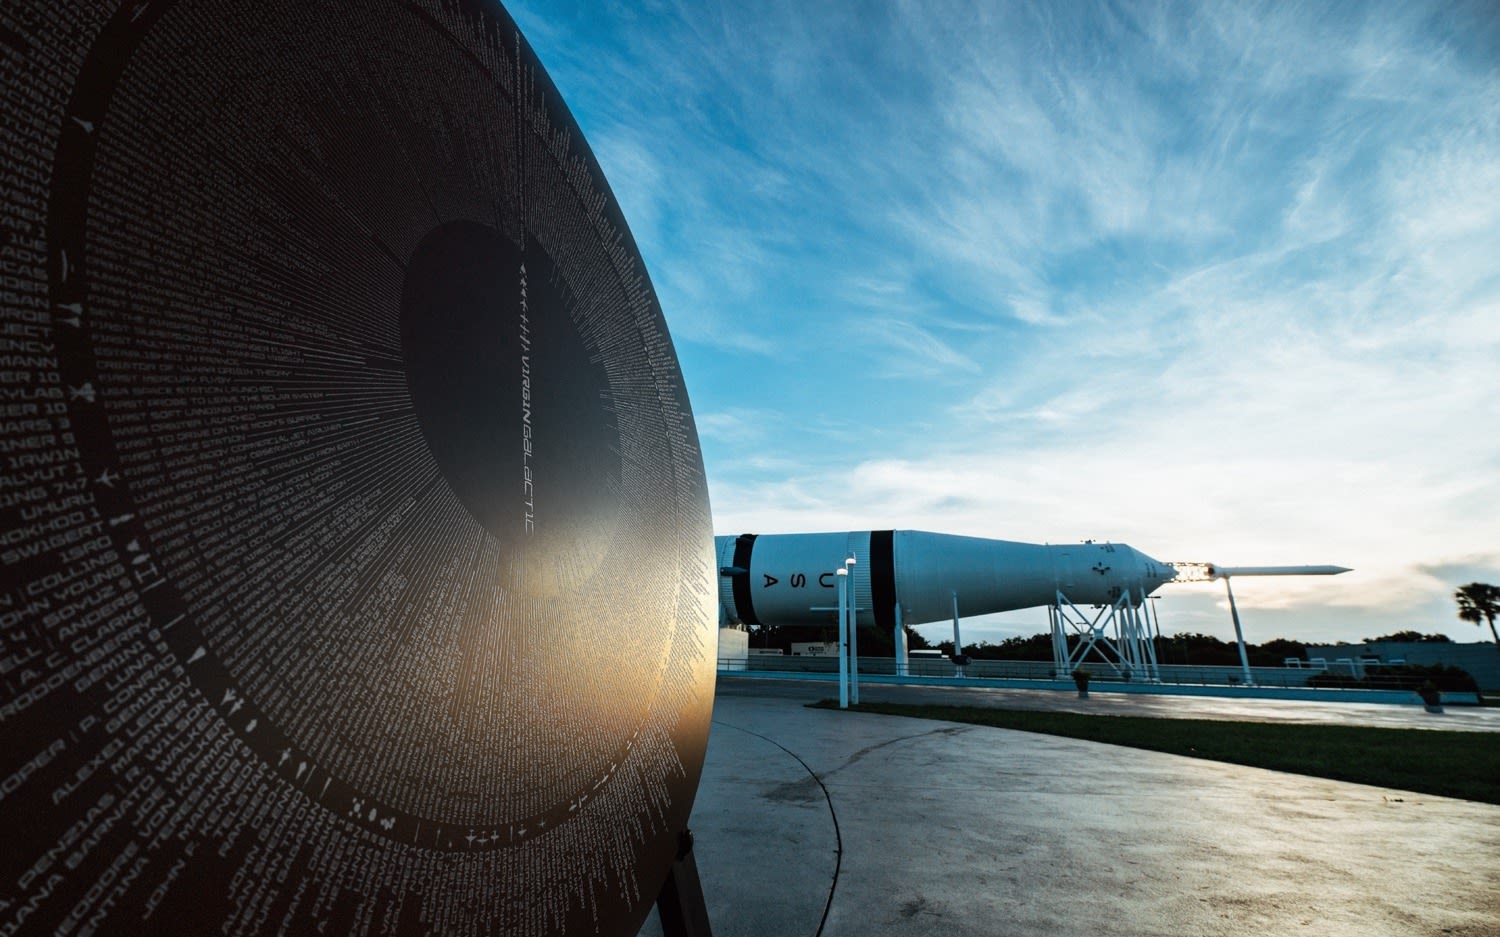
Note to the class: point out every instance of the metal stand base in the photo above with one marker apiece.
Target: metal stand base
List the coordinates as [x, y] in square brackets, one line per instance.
[1130, 652]
[680, 904]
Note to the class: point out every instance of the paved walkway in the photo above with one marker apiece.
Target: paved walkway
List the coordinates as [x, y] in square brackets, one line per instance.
[842, 824]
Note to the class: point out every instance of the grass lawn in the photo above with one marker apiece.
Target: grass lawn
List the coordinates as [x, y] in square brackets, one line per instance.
[1452, 764]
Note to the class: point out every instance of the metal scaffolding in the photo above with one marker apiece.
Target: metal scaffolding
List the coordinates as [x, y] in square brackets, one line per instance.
[1121, 633]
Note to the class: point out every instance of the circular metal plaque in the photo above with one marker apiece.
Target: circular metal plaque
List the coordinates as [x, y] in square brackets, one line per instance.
[356, 560]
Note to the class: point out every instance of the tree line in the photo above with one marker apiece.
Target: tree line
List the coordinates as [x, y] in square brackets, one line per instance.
[1478, 603]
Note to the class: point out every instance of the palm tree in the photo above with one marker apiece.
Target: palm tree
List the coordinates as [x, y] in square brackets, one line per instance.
[1477, 602]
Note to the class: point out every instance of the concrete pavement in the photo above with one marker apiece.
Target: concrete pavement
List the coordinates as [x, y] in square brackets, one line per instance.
[816, 822]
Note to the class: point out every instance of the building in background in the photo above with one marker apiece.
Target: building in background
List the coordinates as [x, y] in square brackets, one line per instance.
[1480, 658]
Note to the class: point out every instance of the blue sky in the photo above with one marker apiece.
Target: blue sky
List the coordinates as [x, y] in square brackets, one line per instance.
[1220, 281]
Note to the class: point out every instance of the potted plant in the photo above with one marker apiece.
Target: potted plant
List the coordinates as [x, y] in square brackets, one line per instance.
[1432, 698]
[1081, 680]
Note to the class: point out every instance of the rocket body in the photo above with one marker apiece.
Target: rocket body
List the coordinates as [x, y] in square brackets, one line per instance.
[787, 579]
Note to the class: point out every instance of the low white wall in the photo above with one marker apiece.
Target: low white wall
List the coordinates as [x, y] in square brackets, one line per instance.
[734, 648]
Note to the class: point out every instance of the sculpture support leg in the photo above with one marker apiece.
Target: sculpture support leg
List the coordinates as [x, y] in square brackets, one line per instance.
[680, 904]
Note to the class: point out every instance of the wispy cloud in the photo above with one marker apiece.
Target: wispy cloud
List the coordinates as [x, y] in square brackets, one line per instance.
[907, 349]
[1214, 279]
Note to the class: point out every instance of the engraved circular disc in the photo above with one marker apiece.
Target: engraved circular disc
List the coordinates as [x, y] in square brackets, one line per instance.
[358, 527]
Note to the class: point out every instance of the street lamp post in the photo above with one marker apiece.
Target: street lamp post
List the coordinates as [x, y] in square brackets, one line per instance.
[843, 578]
[853, 613]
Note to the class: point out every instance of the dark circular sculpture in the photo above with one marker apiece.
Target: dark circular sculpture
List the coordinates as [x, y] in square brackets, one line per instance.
[355, 564]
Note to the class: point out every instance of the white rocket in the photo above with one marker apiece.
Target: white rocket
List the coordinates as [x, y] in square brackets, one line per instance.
[915, 577]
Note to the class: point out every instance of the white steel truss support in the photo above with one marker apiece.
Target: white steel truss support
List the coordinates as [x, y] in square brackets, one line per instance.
[1119, 633]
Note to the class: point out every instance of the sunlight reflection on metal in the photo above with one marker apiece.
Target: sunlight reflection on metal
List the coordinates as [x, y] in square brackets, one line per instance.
[384, 519]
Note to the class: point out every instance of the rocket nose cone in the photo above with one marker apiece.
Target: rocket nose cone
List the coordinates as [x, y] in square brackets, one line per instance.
[1154, 572]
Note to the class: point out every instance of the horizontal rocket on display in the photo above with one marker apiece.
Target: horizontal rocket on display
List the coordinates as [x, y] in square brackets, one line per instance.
[788, 579]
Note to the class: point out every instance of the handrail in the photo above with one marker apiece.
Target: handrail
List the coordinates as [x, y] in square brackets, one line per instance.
[1003, 670]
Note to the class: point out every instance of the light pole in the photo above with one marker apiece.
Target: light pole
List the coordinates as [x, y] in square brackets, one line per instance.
[843, 578]
[853, 612]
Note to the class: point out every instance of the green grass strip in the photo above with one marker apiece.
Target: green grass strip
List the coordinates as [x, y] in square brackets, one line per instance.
[1452, 764]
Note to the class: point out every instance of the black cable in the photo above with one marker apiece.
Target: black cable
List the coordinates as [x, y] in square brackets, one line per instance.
[838, 838]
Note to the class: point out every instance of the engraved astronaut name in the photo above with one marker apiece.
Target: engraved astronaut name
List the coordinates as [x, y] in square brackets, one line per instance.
[528, 490]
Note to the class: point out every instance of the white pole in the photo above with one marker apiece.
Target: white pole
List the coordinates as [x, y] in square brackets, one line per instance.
[958, 647]
[1059, 639]
[853, 634]
[843, 575]
[1154, 637]
[903, 658]
[1137, 649]
[1239, 635]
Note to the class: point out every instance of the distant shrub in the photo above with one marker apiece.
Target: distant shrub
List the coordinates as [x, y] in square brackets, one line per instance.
[1412, 637]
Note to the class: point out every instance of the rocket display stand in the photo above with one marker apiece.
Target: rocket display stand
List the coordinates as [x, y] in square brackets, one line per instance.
[1129, 651]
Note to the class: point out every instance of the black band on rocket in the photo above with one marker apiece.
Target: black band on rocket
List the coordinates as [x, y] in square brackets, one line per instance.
[883, 578]
[740, 581]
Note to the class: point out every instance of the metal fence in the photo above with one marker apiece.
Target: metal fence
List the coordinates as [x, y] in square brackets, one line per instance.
[1002, 670]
